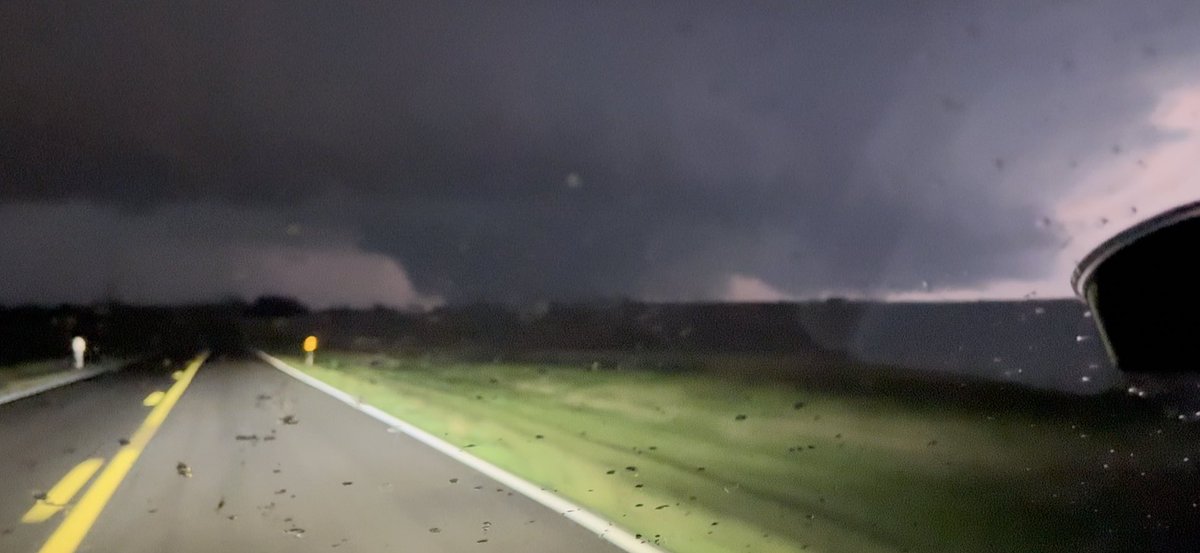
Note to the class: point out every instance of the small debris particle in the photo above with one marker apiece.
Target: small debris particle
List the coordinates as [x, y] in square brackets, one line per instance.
[610, 471]
[798, 405]
[296, 532]
[245, 437]
[435, 530]
[39, 496]
[638, 485]
[484, 540]
[123, 441]
[183, 470]
[262, 397]
[268, 438]
[661, 507]
[221, 503]
[453, 480]
[232, 517]
[539, 437]
[276, 471]
[281, 491]
[631, 468]
[347, 483]
[740, 418]
[289, 419]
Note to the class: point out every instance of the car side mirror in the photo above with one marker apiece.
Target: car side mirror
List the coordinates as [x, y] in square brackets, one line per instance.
[1143, 287]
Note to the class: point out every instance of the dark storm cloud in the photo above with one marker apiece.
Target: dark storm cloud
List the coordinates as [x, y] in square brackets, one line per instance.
[533, 150]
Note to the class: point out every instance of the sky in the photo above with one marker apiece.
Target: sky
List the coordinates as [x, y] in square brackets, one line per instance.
[414, 154]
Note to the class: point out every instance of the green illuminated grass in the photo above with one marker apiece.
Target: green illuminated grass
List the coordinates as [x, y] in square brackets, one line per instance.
[806, 468]
[25, 375]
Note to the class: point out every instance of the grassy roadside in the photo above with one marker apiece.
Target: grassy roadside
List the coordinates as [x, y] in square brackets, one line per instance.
[26, 375]
[703, 464]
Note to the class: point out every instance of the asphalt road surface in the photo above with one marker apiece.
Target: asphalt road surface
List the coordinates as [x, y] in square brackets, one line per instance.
[248, 459]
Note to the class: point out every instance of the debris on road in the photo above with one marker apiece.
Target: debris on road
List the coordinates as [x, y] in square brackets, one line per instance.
[123, 441]
[221, 503]
[289, 419]
[183, 469]
[246, 437]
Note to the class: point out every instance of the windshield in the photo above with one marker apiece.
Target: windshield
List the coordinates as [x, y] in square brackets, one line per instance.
[690, 277]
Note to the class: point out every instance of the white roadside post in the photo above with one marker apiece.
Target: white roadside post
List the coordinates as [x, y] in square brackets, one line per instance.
[310, 347]
[78, 346]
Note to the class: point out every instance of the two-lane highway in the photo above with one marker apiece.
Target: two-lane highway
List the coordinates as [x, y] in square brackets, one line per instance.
[248, 459]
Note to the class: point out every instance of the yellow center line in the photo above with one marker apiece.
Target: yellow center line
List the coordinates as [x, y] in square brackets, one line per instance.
[62, 492]
[67, 537]
[153, 399]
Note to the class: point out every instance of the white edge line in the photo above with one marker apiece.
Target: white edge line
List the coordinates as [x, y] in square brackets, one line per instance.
[605, 529]
[70, 376]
